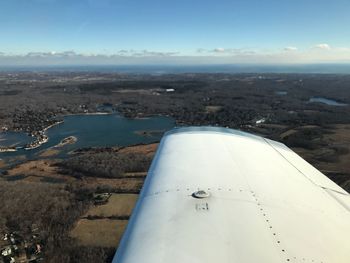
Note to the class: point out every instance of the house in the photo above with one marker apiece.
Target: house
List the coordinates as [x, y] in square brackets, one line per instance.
[102, 198]
[260, 121]
[7, 251]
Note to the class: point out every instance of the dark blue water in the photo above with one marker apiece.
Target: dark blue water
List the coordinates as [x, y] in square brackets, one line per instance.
[281, 93]
[327, 101]
[93, 131]
[14, 139]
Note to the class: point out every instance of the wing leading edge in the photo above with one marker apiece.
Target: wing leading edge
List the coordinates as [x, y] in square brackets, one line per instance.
[262, 203]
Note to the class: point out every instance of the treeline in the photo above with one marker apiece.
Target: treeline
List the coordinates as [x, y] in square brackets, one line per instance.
[242, 100]
[107, 164]
[53, 210]
[309, 138]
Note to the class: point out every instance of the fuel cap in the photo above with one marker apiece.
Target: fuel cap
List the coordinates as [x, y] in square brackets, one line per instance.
[201, 194]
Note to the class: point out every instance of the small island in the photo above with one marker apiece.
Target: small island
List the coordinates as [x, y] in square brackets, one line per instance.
[41, 138]
[67, 140]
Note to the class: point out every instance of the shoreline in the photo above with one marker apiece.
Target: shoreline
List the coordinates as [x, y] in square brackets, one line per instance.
[42, 138]
[90, 113]
[52, 125]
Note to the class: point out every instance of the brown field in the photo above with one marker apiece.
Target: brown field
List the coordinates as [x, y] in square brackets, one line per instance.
[46, 170]
[122, 184]
[147, 149]
[49, 152]
[39, 167]
[338, 168]
[104, 231]
[118, 205]
[38, 171]
[287, 133]
[273, 126]
[340, 138]
[100, 232]
[138, 91]
[212, 109]
[19, 158]
[136, 174]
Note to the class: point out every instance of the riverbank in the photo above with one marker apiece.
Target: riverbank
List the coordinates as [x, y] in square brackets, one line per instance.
[49, 170]
[41, 136]
[52, 125]
[150, 133]
[2, 163]
[85, 131]
[55, 150]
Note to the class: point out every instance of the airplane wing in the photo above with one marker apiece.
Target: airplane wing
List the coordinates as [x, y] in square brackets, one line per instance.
[221, 195]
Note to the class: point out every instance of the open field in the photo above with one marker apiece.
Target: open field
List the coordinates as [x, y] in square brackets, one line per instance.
[99, 232]
[118, 205]
[48, 171]
[333, 159]
[147, 149]
[37, 171]
[100, 226]
[212, 109]
[2, 163]
[103, 225]
[49, 152]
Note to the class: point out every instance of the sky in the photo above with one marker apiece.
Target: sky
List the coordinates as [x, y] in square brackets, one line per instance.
[174, 32]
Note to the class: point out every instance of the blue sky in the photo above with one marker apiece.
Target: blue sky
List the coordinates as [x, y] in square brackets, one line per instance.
[299, 31]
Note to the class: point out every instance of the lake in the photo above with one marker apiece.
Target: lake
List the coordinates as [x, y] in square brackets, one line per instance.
[14, 139]
[102, 130]
[327, 101]
[281, 93]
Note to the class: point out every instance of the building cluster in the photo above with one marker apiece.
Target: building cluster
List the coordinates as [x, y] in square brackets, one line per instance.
[14, 248]
[41, 138]
[101, 198]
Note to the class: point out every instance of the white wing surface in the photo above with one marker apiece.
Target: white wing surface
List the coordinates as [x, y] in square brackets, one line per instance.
[259, 202]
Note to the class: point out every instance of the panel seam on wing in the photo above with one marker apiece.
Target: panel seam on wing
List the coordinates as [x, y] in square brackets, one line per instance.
[279, 153]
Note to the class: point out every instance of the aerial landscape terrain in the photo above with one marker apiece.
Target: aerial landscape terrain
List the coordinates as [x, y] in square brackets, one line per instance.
[75, 147]
[89, 88]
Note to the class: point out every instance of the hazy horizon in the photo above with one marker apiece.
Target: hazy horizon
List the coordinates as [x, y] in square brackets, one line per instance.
[194, 68]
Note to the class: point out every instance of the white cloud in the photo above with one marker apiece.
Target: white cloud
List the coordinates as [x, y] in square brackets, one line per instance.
[231, 52]
[219, 50]
[73, 54]
[321, 53]
[123, 51]
[147, 53]
[290, 48]
[63, 54]
[323, 46]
